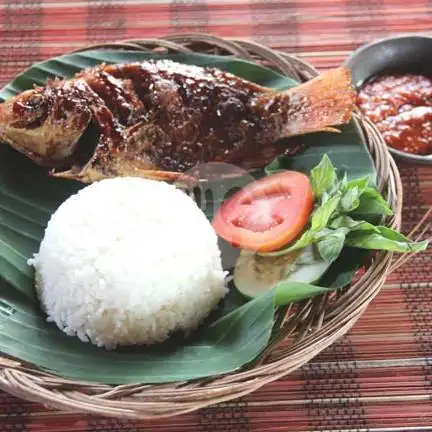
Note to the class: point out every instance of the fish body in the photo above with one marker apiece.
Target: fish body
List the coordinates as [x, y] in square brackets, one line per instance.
[159, 119]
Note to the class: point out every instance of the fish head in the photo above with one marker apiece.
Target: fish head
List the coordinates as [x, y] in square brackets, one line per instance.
[44, 123]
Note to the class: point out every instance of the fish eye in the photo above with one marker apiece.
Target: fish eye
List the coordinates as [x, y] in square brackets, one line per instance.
[30, 110]
[35, 101]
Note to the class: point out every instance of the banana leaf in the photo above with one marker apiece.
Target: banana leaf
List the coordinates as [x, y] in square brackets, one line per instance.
[231, 337]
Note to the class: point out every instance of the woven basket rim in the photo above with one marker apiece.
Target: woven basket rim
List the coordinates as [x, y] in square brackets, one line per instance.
[162, 400]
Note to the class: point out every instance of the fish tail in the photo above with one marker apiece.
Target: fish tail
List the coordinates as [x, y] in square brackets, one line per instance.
[325, 101]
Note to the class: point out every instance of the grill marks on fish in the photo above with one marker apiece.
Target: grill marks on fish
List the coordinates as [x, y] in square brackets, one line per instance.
[160, 118]
[177, 116]
[197, 114]
[119, 95]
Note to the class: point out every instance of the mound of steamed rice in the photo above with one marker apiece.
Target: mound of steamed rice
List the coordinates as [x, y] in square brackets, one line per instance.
[128, 261]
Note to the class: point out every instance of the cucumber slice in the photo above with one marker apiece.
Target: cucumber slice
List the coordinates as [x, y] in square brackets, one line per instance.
[309, 267]
[255, 274]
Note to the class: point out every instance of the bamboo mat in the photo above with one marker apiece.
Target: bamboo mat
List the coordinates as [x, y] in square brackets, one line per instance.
[378, 377]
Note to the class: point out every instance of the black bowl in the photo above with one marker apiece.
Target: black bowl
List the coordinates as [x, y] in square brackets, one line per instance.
[404, 54]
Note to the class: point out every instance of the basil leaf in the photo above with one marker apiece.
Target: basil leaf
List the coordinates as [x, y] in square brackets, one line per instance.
[352, 192]
[325, 197]
[323, 176]
[360, 183]
[331, 243]
[392, 234]
[338, 186]
[323, 213]
[350, 200]
[352, 224]
[372, 204]
[309, 255]
[288, 292]
[344, 181]
[306, 239]
[384, 239]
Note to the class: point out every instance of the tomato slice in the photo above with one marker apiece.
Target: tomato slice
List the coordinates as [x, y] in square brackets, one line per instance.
[267, 214]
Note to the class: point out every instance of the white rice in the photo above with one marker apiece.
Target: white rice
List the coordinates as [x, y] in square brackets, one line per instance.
[127, 261]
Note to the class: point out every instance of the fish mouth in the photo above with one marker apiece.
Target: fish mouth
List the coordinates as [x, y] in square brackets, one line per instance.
[85, 148]
[9, 138]
[82, 154]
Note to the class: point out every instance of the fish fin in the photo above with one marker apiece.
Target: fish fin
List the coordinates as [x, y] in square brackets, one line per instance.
[167, 176]
[84, 176]
[90, 175]
[328, 99]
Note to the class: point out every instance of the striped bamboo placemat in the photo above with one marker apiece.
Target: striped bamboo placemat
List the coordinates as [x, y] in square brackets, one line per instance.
[379, 376]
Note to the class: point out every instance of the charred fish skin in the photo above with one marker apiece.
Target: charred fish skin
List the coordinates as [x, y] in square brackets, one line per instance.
[195, 114]
[160, 118]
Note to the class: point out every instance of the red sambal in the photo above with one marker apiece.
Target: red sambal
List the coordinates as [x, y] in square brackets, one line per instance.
[401, 108]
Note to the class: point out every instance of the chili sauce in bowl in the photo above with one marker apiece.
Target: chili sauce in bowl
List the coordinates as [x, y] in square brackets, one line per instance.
[401, 108]
[393, 78]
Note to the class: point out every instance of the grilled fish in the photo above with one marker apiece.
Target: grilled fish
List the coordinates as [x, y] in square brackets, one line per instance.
[158, 119]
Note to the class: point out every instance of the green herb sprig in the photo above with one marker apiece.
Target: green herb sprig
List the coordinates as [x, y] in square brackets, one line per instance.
[344, 215]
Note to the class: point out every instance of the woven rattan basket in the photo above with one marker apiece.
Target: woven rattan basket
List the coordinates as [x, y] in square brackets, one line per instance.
[297, 339]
